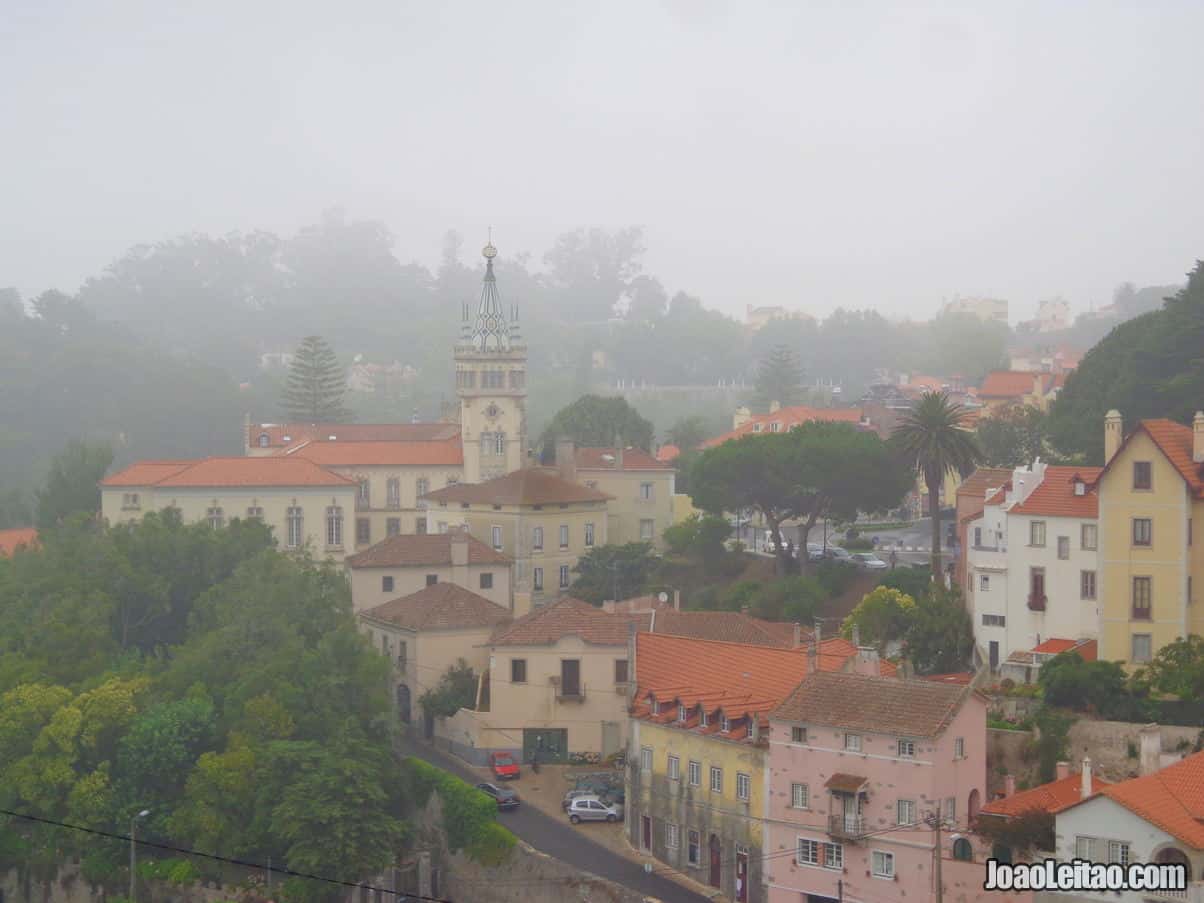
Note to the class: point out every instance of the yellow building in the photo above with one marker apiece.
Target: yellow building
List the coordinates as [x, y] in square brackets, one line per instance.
[533, 516]
[1151, 492]
[640, 489]
[307, 506]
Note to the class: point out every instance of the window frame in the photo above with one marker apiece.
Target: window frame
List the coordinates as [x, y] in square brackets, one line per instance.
[1036, 530]
[537, 539]
[1143, 473]
[387, 583]
[646, 759]
[959, 748]
[1142, 535]
[1149, 640]
[495, 535]
[564, 576]
[800, 790]
[485, 580]
[905, 748]
[911, 810]
[743, 786]
[622, 666]
[537, 579]
[716, 783]
[984, 583]
[1141, 612]
[1063, 548]
[516, 665]
[564, 536]
[1088, 586]
[693, 847]
[1091, 530]
[811, 846]
[798, 734]
[694, 773]
[673, 768]
[648, 534]
[589, 534]
[672, 836]
[852, 742]
[886, 871]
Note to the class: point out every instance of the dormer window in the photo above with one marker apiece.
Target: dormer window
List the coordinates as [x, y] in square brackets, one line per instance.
[702, 716]
[1080, 488]
[682, 713]
[725, 726]
[656, 707]
[775, 427]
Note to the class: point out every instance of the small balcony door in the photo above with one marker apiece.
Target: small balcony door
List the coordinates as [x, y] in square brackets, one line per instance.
[570, 677]
[851, 812]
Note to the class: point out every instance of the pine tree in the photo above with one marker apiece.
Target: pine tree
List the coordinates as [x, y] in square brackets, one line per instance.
[316, 384]
[779, 379]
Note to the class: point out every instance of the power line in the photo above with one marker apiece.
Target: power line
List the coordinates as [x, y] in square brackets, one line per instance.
[242, 862]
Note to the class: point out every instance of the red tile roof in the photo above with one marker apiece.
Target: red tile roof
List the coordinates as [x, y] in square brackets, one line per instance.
[1052, 797]
[421, 549]
[1012, 383]
[227, 472]
[668, 452]
[569, 617]
[441, 453]
[441, 606]
[877, 705]
[1172, 799]
[607, 458]
[530, 486]
[982, 479]
[1087, 650]
[321, 432]
[730, 626]
[1055, 646]
[1175, 440]
[1055, 497]
[16, 537]
[787, 418]
[957, 678]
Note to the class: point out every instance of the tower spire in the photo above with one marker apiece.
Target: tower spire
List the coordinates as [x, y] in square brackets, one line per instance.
[490, 329]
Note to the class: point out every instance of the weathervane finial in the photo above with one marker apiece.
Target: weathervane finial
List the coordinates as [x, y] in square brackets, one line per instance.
[489, 252]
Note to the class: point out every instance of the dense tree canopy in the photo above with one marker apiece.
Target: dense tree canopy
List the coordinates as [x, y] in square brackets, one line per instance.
[596, 421]
[1013, 436]
[779, 379]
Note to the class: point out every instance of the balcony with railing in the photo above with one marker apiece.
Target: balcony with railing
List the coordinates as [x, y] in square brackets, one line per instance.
[1037, 601]
[846, 827]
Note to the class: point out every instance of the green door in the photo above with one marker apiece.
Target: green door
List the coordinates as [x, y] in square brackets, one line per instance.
[551, 744]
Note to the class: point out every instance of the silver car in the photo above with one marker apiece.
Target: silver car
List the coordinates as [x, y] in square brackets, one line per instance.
[868, 562]
[591, 808]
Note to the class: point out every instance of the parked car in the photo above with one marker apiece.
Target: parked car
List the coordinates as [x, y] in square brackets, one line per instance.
[868, 561]
[815, 552]
[503, 765]
[504, 796]
[836, 553]
[592, 808]
[574, 795]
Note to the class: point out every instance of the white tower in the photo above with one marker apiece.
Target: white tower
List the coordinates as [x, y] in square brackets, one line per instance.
[491, 381]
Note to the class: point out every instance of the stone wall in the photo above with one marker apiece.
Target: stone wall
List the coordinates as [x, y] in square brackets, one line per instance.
[1110, 744]
[70, 887]
[1007, 753]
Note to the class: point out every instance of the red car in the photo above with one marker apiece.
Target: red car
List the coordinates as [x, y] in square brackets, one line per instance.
[503, 765]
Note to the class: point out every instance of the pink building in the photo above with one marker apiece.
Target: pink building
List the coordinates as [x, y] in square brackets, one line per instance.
[856, 765]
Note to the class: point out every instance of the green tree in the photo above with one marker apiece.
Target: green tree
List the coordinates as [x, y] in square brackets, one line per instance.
[610, 571]
[71, 485]
[457, 689]
[594, 421]
[1022, 834]
[940, 637]
[883, 616]
[932, 439]
[1053, 741]
[687, 433]
[1177, 669]
[1013, 436]
[779, 378]
[14, 510]
[316, 384]
[966, 345]
[701, 538]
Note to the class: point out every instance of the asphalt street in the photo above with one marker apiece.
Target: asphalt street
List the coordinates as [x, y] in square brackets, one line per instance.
[554, 837]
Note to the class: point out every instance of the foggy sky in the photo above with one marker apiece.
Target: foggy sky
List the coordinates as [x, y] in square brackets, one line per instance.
[807, 154]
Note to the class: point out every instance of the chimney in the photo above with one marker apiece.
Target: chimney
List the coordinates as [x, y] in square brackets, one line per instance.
[775, 406]
[1151, 748]
[856, 636]
[1009, 785]
[741, 417]
[867, 662]
[812, 657]
[798, 635]
[1063, 771]
[677, 600]
[1085, 783]
[608, 606]
[459, 555]
[1114, 432]
[566, 459]
[1197, 438]
[819, 627]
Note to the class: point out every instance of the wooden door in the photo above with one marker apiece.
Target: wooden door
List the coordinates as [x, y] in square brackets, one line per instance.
[716, 871]
[646, 830]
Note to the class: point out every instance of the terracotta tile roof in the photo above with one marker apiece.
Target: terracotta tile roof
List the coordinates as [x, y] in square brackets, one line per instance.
[1055, 646]
[354, 432]
[1038, 655]
[668, 452]
[845, 783]
[569, 617]
[984, 478]
[606, 458]
[441, 606]
[1052, 797]
[1172, 799]
[881, 705]
[957, 678]
[227, 472]
[787, 418]
[730, 626]
[530, 486]
[445, 452]
[414, 550]
[1055, 497]
[1012, 383]
[1175, 440]
[17, 536]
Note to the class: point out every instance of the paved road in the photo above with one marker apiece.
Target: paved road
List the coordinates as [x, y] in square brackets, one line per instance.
[555, 838]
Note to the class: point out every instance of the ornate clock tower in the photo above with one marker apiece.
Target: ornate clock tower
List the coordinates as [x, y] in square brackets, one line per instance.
[491, 381]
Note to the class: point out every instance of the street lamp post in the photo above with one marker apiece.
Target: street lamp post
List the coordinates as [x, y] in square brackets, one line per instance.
[134, 852]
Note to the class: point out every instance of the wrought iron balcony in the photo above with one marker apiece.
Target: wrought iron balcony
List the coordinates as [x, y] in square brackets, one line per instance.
[846, 827]
[1037, 602]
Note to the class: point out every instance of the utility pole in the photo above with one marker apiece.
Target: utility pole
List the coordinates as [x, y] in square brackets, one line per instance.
[934, 822]
[134, 853]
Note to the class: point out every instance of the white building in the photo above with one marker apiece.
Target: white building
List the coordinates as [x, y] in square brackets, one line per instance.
[1032, 566]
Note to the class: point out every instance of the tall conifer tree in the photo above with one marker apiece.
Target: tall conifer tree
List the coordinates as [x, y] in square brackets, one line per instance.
[316, 384]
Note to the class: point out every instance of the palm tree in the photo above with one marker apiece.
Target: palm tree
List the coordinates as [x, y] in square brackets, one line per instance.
[930, 437]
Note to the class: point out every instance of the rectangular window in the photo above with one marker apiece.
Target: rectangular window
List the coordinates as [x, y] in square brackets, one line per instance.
[799, 797]
[254, 513]
[994, 620]
[589, 534]
[1118, 852]
[882, 864]
[564, 536]
[984, 583]
[1087, 584]
[1142, 648]
[852, 742]
[647, 530]
[959, 747]
[725, 725]
[695, 772]
[672, 836]
[216, 517]
[1142, 598]
[1089, 537]
[620, 670]
[486, 580]
[1036, 533]
[674, 769]
[743, 786]
[1036, 589]
[421, 487]
[646, 491]
[365, 494]
[1142, 475]
[646, 758]
[905, 812]
[907, 749]
[496, 535]
[386, 584]
[537, 539]
[1063, 548]
[694, 849]
[537, 578]
[393, 526]
[808, 851]
[363, 531]
[682, 712]
[296, 535]
[978, 537]
[420, 526]
[951, 809]
[518, 670]
[334, 527]
[798, 735]
[833, 856]
[716, 779]
[393, 492]
[432, 579]
[401, 654]
[1084, 848]
[1143, 531]
[564, 576]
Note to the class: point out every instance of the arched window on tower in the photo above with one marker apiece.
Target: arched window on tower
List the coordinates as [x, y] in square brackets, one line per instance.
[499, 443]
[264, 440]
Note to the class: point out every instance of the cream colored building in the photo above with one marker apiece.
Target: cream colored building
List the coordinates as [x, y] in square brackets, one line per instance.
[640, 489]
[533, 516]
[429, 631]
[405, 564]
[307, 506]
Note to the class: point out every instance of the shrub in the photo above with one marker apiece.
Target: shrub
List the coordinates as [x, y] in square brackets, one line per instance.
[469, 816]
[859, 544]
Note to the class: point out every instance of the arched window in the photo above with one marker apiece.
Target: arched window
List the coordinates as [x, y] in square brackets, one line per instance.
[972, 806]
[962, 850]
[264, 440]
[1172, 856]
